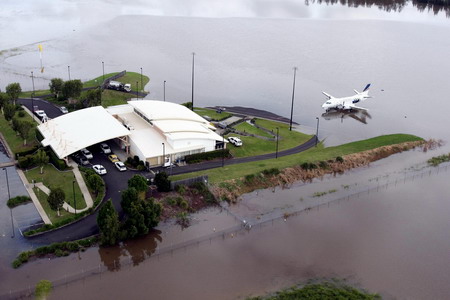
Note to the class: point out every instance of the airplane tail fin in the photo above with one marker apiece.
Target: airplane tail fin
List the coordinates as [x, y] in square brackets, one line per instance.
[366, 89]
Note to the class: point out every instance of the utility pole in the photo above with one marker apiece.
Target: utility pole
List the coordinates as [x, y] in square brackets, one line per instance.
[142, 82]
[164, 154]
[193, 58]
[317, 131]
[164, 89]
[103, 68]
[32, 95]
[223, 151]
[68, 69]
[293, 95]
[74, 201]
[276, 153]
[137, 89]
[10, 209]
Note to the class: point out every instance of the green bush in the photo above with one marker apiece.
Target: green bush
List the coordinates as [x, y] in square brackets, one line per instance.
[73, 246]
[26, 152]
[59, 252]
[58, 163]
[171, 201]
[339, 159]
[323, 165]
[162, 182]
[199, 157]
[16, 263]
[183, 204]
[21, 114]
[271, 172]
[203, 190]
[13, 202]
[308, 166]
[180, 189]
[26, 162]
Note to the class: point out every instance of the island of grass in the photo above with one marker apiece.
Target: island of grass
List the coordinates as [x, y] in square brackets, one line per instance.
[15, 142]
[231, 181]
[320, 291]
[212, 114]
[109, 97]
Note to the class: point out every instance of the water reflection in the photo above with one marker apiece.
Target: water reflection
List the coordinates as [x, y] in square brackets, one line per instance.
[359, 115]
[137, 250]
[392, 5]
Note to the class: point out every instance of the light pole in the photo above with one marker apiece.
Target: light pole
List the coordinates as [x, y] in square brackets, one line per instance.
[74, 202]
[142, 82]
[164, 154]
[32, 95]
[293, 95]
[10, 209]
[164, 91]
[276, 153]
[317, 131]
[68, 69]
[103, 68]
[193, 58]
[137, 89]
[223, 151]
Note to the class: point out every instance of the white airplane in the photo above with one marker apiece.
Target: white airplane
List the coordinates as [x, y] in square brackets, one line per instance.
[346, 103]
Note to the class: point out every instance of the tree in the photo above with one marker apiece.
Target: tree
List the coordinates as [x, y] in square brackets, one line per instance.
[43, 289]
[108, 224]
[95, 182]
[72, 89]
[138, 182]
[3, 100]
[24, 128]
[9, 110]
[94, 97]
[56, 86]
[41, 159]
[162, 182]
[187, 104]
[129, 196]
[56, 199]
[13, 90]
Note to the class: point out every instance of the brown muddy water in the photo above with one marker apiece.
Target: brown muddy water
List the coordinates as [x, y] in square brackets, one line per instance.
[394, 242]
[388, 234]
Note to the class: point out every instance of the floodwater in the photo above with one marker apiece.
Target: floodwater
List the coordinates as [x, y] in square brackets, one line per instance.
[384, 227]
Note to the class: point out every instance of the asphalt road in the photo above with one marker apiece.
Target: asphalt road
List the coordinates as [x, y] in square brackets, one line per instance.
[116, 181]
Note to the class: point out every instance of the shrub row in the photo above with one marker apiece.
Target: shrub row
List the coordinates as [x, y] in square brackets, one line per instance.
[58, 249]
[135, 163]
[202, 189]
[16, 201]
[199, 157]
[437, 160]
[27, 152]
[60, 164]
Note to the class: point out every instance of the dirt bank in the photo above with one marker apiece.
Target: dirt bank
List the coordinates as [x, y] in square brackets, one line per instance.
[231, 190]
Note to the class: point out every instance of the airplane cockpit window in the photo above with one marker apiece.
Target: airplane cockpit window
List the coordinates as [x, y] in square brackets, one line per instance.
[328, 102]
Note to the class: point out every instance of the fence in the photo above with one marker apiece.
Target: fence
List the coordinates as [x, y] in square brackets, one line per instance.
[189, 181]
[234, 231]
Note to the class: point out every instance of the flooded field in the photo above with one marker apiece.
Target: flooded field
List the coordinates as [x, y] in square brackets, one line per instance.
[384, 227]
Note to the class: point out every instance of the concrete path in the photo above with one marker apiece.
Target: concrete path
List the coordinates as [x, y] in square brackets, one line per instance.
[86, 195]
[29, 188]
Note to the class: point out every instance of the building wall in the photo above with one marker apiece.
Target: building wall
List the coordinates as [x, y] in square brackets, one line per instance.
[208, 145]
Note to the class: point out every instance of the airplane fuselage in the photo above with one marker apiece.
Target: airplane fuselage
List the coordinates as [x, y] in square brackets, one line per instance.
[345, 103]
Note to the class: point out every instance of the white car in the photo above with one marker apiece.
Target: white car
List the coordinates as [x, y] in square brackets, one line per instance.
[120, 166]
[99, 169]
[105, 148]
[235, 141]
[87, 153]
[63, 109]
[41, 114]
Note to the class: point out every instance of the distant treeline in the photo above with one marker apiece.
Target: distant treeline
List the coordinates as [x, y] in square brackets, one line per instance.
[435, 6]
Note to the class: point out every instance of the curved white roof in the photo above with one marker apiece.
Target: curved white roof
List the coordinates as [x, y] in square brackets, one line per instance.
[71, 132]
[160, 110]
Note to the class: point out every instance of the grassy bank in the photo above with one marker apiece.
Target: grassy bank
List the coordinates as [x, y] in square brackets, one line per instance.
[218, 175]
[322, 291]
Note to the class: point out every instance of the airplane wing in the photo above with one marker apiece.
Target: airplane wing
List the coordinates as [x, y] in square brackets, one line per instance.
[327, 95]
[358, 107]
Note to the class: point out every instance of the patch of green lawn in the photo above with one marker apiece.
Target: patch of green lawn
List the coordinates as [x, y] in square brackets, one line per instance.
[248, 128]
[315, 154]
[28, 94]
[111, 97]
[52, 178]
[52, 214]
[14, 141]
[98, 80]
[212, 114]
[134, 78]
[252, 146]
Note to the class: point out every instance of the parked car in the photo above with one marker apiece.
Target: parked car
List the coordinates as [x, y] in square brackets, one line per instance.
[120, 166]
[235, 141]
[80, 159]
[113, 158]
[41, 115]
[63, 109]
[105, 148]
[99, 169]
[87, 153]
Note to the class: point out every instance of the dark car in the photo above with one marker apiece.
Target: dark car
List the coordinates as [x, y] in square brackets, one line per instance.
[80, 159]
